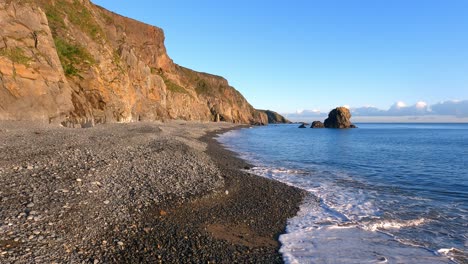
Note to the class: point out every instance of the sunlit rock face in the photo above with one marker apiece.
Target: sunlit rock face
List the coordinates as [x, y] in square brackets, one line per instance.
[78, 64]
[339, 118]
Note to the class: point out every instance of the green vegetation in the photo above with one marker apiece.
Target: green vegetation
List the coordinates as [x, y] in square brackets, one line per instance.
[173, 87]
[16, 55]
[202, 87]
[107, 19]
[55, 18]
[76, 13]
[170, 85]
[72, 56]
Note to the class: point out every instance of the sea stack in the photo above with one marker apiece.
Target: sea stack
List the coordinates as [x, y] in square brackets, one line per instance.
[339, 118]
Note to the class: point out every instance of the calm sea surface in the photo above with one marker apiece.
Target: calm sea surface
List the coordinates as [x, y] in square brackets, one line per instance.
[382, 193]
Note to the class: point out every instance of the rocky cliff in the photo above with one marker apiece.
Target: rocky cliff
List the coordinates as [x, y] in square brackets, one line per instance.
[73, 62]
[274, 117]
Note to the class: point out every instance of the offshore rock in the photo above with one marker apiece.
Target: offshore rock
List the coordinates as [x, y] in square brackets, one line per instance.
[339, 118]
[317, 124]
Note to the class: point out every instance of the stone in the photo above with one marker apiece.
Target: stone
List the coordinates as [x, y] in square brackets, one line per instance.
[302, 125]
[338, 118]
[106, 202]
[317, 124]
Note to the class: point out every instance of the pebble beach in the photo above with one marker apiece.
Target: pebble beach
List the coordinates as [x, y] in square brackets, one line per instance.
[135, 193]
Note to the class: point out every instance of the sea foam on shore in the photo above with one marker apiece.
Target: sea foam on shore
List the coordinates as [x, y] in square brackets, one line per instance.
[379, 193]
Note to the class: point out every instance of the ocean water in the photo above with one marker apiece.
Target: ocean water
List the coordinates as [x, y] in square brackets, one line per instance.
[382, 193]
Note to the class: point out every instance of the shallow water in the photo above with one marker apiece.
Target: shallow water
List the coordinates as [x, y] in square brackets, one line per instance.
[395, 193]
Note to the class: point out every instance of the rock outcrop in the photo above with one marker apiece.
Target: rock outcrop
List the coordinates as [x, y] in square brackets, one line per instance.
[275, 118]
[317, 124]
[339, 118]
[73, 62]
[303, 125]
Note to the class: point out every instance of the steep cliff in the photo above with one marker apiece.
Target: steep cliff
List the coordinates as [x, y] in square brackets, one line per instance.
[275, 118]
[73, 62]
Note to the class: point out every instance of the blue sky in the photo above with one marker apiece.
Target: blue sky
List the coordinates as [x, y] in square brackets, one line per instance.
[316, 55]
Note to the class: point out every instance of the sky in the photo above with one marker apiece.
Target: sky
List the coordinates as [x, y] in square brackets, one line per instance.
[302, 55]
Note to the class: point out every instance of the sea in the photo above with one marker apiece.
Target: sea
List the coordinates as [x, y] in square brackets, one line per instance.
[381, 193]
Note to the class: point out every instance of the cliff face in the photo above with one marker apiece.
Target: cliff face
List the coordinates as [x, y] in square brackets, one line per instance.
[275, 118]
[73, 62]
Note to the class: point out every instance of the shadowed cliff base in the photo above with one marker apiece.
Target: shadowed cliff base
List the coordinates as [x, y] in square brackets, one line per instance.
[75, 63]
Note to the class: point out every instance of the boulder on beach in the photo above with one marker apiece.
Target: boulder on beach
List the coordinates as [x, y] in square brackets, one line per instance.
[339, 118]
[317, 124]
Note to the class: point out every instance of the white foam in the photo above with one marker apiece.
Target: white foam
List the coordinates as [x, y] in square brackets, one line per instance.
[310, 239]
[454, 254]
[341, 221]
[392, 224]
[337, 201]
[445, 251]
[336, 225]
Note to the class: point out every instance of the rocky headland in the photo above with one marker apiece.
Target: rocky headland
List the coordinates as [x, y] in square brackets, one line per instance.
[275, 118]
[75, 63]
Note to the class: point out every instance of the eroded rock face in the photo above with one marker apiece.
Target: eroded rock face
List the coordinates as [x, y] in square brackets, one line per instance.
[32, 83]
[79, 64]
[339, 118]
[317, 124]
[275, 118]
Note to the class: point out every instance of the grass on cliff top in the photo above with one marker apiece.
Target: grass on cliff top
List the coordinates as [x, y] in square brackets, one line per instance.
[72, 56]
[76, 13]
[16, 55]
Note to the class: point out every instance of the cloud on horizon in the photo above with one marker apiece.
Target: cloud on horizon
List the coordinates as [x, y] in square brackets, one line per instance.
[458, 109]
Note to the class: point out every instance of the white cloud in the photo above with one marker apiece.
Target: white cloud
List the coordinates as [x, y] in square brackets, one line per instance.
[399, 105]
[401, 109]
[421, 105]
[304, 115]
[453, 109]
